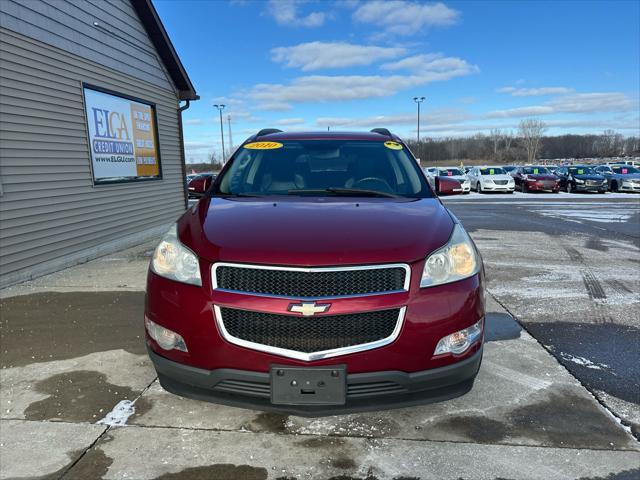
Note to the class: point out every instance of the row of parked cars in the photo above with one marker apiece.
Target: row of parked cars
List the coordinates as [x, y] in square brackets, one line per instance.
[614, 177]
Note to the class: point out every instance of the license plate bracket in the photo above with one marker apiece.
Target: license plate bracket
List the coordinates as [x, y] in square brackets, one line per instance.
[308, 385]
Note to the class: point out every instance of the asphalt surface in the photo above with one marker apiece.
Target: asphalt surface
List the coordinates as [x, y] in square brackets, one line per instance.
[79, 398]
[568, 268]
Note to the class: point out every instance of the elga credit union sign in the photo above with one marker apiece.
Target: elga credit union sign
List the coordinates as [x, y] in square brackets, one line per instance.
[122, 137]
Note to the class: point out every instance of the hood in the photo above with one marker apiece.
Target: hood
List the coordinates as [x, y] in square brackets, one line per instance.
[460, 178]
[626, 176]
[496, 177]
[589, 176]
[315, 231]
[542, 176]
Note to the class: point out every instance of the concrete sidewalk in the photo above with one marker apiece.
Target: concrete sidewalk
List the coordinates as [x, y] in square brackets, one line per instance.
[80, 400]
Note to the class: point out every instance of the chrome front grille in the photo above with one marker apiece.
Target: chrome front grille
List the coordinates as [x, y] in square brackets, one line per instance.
[321, 282]
[309, 338]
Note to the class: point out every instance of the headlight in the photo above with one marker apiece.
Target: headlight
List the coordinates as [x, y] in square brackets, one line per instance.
[460, 341]
[456, 260]
[579, 181]
[174, 261]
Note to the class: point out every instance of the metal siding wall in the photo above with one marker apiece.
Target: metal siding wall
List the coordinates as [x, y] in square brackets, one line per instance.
[120, 44]
[49, 209]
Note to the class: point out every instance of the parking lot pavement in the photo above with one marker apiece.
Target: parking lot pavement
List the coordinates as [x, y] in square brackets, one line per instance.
[572, 279]
[80, 400]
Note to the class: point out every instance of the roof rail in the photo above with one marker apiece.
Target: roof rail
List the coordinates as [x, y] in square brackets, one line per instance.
[267, 131]
[382, 131]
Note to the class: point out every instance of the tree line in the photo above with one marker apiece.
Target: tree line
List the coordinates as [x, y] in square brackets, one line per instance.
[526, 144]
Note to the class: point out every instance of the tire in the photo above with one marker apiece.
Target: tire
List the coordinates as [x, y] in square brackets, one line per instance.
[569, 189]
[614, 186]
[478, 188]
[523, 187]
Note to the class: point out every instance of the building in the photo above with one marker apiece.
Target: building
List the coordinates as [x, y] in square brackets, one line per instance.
[91, 148]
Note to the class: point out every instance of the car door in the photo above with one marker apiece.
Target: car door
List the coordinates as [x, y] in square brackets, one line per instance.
[561, 173]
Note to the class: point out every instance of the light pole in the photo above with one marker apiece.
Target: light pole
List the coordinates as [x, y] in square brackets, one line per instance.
[230, 137]
[418, 100]
[220, 107]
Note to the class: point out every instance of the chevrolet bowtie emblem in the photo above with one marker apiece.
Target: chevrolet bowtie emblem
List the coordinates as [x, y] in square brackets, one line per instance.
[309, 309]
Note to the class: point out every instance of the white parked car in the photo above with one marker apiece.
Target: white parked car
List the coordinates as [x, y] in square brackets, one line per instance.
[457, 174]
[491, 179]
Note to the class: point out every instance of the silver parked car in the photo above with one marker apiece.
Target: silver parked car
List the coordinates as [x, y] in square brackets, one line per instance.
[621, 177]
[491, 179]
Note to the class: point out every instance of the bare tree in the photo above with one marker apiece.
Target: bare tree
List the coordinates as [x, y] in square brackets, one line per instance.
[496, 137]
[531, 131]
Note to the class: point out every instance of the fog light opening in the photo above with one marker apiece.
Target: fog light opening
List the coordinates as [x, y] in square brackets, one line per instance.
[460, 341]
[165, 338]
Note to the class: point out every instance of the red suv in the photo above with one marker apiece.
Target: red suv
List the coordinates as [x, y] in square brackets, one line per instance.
[319, 274]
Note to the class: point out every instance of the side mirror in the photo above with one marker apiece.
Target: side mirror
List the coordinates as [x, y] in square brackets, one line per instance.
[448, 186]
[198, 186]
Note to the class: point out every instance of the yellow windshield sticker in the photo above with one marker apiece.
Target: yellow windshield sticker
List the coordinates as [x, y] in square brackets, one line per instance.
[491, 171]
[535, 171]
[580, 171]
[393, 145]
[263, 145]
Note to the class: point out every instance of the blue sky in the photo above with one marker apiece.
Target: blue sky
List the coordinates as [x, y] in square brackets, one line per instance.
[355, 65]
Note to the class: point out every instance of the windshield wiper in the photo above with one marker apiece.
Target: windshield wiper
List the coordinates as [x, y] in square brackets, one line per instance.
[351, 192]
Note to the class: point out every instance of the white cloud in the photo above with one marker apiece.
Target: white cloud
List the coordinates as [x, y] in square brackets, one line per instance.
[434, 117]
[289, 121]
[324, 88]
[431, 62]
[534, 92]
[317, 55]
[194, 121]
[400, 17]
[286, 13]
[577, 103]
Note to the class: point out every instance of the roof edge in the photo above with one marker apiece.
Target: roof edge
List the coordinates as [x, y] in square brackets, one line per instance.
[162, 43]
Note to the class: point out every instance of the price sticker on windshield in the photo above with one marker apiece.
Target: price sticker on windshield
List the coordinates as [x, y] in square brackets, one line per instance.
[393, 145]
[263, 145]
[580, 171]
[491, 171]
[625, 171]
[535, 171]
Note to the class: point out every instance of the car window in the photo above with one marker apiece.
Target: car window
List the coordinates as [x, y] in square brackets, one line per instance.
[449, 172]
[491, 171]
[535, 170]
[581, 170]
[319, 167]
[624, 169]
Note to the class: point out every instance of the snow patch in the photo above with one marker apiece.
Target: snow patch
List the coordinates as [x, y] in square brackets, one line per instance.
[119, 415]
[585, 362]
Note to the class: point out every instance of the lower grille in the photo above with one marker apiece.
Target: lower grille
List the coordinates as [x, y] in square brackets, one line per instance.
[263, 389]
[308, 335]
[501, 182]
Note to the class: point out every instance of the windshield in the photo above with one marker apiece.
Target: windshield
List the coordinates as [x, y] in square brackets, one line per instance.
[624, 169]
[535, 170]
[449, 172]
[324, 168]
[581, 170]
[492, 171]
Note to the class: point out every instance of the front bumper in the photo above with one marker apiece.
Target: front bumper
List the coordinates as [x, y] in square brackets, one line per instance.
[537, 186]
[590, 188]
[365, 391]
[629, 187]
[492, 187]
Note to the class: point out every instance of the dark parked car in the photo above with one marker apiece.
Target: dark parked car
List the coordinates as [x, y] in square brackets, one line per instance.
[319, 274]
[581, 178]
[620, 177]
[536, 178]
[200, 184]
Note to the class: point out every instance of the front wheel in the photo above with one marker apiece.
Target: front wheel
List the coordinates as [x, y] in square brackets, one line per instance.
[569, 189]
[478, 187]
[523, 187]
[614, 186]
